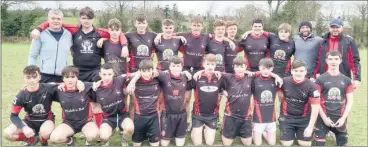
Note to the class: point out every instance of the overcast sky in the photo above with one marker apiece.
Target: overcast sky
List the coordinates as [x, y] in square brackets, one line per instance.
[195, 7]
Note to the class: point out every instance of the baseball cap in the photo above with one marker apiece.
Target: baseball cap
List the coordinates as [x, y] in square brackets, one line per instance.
[337, 22]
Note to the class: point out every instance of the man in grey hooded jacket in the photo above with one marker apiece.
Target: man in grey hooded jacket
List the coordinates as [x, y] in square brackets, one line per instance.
[52, 48]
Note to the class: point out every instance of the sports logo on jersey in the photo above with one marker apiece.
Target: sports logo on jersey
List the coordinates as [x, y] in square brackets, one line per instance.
[39, 108]
[219, 59]
[87, 45]
[334, 94]
[142, 50]
[209, 88]
[266, 96]
[15, 100]
[167, 54]
[280, 54]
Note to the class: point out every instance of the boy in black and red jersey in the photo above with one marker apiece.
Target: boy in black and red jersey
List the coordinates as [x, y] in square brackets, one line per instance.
[36, 99]
[299, 106]
[169, 45]
[206, 103]
[109, 94]
[231, 30]
[255, 46]
[144, 105]
[336, 101]
[217, 45]
[76, 110]
[264, 94]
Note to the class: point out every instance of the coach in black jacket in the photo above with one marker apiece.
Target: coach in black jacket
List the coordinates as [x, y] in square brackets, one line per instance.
[345, 44]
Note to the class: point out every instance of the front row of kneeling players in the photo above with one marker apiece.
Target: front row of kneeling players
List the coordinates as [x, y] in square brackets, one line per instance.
[158, 105]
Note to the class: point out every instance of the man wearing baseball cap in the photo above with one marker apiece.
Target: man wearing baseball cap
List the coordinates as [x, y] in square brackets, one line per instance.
[306, 47]
[335, 39]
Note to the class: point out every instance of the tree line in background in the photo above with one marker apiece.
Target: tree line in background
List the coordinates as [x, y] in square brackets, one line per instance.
[21, 22]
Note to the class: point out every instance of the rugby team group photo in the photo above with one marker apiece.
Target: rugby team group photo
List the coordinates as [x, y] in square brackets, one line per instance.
[183, 88]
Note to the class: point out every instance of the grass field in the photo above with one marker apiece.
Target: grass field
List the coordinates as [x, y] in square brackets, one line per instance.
[14, 58]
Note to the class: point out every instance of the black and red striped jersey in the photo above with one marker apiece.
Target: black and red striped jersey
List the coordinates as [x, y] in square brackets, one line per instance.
[111, 97]
[206, 97]
[146, 96]
[333, 91]
[140, 47]
[281, 52]
[255, 48]
[195, 48]
[264, 94]
[173, 91]
[112, 54]
[219, 49]
[75, 104]
[37, 104]
[297, 97]
[165, 50]
[239, 89]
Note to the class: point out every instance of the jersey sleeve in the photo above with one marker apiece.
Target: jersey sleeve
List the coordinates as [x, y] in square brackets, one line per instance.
[18, 103]
[314, 94]
[350, 87]
[162, 75]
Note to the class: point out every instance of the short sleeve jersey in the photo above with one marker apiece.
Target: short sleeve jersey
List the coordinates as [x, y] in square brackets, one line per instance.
[146, 96]
[75, 105]
[255, 49]
[194, 50]
[165, 50]
[333, 91]
[297, 97]
[219, 50]
[281, 53]
[264, 94]
[36, 104]
[112, 55]
[140, 47]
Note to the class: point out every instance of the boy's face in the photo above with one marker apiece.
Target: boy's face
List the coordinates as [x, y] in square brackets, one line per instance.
[114, 32]
[141, 26]
[284, 35]
[265, 71]
[333, 62]
[31, 80]
[196, 28]
[209, 66]
[106, 75]
[70, 80]
[175, 68]
[85, 21]
[299, 73]
[220, 31]
[240, 69]
[257, 28]
[232, 30]
[168, 30]
[147, 73]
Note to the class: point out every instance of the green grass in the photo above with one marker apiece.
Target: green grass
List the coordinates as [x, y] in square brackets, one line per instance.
[14, 58]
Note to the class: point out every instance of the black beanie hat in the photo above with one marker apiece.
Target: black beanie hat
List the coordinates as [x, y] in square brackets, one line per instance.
[305, 23]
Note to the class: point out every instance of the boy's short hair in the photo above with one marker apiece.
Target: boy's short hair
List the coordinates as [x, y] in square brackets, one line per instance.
[334, 53]
[140, 18]
[176, 60]
[266, 62]
[197, 19]
[70, 70]
[210, 58]
[88, 12]
[31, 70]
[285, 26]
[114, 24]
[219, 23]
[231, 23]
[145, 64]
[257, 21]
[239, 60]
[168, 22]
[106, 66]
[297, 64]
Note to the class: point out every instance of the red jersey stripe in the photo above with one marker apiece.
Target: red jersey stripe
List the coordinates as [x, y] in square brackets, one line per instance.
[137, 109]
[16, 109]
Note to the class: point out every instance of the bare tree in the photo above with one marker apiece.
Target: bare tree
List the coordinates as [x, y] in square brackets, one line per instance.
[276, 11]
[362, 9]
[119, 5]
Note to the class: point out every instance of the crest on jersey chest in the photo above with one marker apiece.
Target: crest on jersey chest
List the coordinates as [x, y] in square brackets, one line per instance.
[39, 108]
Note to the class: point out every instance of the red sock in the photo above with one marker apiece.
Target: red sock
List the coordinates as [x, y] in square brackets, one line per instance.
[68, 139]
[98, 119]
[21, 137]
[30, 140]
[43, 140]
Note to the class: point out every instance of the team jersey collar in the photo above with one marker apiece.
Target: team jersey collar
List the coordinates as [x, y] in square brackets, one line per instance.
[255, 36]
[33, 90]
[114, 42]
[144, 80]
[70, 90]
[296, 82]
[334, 75]
[141, 34]
[265, 78]
[174, 76]
[196, 36]
[218, 42]
[106, 86]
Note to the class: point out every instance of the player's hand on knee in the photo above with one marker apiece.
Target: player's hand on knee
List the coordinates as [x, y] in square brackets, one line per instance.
[28, 132]
[35, 34]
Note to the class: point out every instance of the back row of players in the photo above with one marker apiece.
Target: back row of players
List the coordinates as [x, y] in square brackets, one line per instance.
[299, 97]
